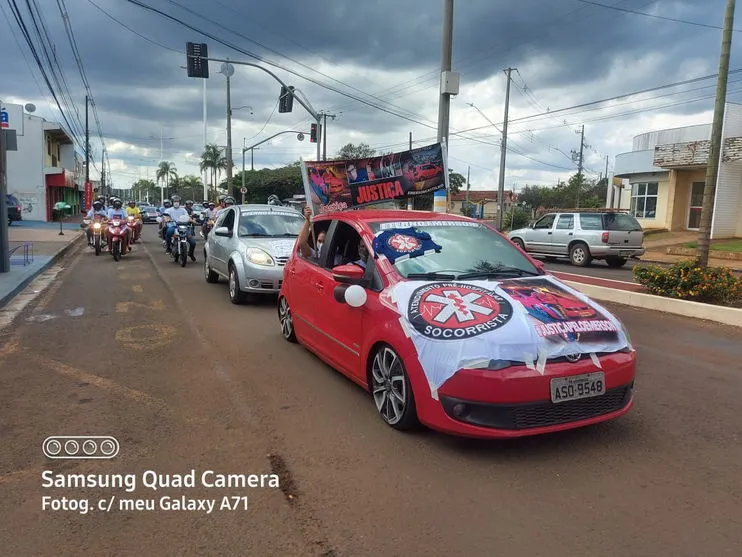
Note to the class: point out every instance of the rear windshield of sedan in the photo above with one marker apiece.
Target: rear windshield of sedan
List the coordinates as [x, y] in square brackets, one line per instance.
[466, 247]
[270, 223]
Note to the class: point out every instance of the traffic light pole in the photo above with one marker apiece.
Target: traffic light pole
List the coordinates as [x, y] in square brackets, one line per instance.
[303, 102]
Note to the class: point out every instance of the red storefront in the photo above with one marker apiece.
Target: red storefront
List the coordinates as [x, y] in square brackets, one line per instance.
[60, 186]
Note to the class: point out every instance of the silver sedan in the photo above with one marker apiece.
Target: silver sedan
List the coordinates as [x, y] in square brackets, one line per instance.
[249, 246]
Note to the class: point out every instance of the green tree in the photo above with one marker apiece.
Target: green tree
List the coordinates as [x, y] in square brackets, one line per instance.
[352, 151]
[145, 189]
[517, 217]
[166, 172]
[213, 160]
[456, 181]
[283, 182]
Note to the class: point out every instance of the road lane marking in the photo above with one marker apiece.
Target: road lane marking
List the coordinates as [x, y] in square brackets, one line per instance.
[137, 288]
[97, 381]
[147, 336]
[124, 307]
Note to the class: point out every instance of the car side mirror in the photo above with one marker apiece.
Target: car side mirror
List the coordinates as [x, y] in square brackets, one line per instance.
[354, 295]
[223, 231]
[348, 274]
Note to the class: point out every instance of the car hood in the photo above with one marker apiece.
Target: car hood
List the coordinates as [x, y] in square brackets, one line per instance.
[518, 231]
[278, 248]
[485, 324]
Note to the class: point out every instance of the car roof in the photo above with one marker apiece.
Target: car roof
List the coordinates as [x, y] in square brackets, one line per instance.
[265, 207]
[382, 215]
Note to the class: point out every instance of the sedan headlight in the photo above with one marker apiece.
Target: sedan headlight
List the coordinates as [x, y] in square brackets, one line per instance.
[626, 334]
[257, 256]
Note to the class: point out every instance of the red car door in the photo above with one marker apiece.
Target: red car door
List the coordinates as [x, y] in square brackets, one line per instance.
[341, 324]
[303, 277]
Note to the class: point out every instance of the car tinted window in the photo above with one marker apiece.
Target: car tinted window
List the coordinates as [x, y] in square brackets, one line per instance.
[621, 222]
[546, 222]
[456, 240]
[591, 221]
[270, 223]
[11, 200]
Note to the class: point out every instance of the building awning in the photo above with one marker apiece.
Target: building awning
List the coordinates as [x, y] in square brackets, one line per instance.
[57, 134]
[63, 179]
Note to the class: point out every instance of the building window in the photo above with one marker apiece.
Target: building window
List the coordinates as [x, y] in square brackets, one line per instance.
[644, 200]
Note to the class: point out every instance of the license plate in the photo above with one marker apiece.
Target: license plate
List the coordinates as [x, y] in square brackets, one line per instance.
[625, 253]
[564, 389]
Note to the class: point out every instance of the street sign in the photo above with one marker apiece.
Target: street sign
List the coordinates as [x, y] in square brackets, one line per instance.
[243, 190]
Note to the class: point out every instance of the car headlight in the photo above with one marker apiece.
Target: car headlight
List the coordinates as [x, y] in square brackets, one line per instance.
[625, 330]
[257, 256]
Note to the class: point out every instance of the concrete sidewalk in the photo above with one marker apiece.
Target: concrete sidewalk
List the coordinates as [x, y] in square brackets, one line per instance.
[34, 247]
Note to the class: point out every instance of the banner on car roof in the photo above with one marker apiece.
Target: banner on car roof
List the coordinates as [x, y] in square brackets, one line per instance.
[343, 185]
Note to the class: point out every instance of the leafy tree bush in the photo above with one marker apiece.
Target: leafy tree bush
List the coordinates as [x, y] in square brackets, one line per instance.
[687, 281]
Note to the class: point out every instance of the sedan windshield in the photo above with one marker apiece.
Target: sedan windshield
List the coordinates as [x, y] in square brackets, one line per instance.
[468, 250]
[270, 224]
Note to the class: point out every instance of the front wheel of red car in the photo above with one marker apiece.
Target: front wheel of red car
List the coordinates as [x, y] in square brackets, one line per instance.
[391, 389]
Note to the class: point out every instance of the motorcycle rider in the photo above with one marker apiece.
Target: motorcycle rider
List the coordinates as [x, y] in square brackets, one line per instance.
[163, 211]
[118, 211]
[175, 212]
[133, 211]
[96, 210]
[226, 202]
[209, 218]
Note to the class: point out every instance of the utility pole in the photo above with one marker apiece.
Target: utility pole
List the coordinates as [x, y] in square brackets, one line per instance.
[206, 171]
[102, 173]
[579, 164]
[324, 133]
[227, 70]
[444, 104]
[87, 144]
[468, 172]
[410, 200]
[244, 144]
[4, 242]
[715, 149]
[503, 154]
[607, 182]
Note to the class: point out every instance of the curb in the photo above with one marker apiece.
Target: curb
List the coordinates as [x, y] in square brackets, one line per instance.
[684, 308]
[4, 301]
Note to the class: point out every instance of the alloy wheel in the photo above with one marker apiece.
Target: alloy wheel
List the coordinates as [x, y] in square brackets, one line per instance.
[389, 386]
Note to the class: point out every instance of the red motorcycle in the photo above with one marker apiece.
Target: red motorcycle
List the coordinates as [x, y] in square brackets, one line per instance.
[134, 226]
[118, 236]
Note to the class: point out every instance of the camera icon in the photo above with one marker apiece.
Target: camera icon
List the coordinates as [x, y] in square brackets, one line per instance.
[94, 447]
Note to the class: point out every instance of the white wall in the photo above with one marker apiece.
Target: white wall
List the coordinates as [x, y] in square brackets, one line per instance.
[726, 218]
[25, 173]
[648, 141]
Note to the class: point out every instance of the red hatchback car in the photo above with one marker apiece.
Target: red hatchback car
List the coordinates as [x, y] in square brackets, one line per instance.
[449, 324]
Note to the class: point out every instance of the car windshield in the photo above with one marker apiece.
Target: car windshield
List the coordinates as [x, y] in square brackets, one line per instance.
[467, 248]
[270, 223]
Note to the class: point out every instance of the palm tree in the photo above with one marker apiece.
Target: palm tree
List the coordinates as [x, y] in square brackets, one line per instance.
[213, 159]
[165, 171]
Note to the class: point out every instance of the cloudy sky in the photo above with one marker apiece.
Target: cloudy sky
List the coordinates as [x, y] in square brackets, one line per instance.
[375, 65]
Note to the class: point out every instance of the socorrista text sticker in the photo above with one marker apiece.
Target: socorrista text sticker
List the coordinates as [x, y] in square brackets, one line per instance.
[457, 311]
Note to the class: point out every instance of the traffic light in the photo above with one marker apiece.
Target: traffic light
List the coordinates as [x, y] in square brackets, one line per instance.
[286, 100]
[315, 133]
[196, 54]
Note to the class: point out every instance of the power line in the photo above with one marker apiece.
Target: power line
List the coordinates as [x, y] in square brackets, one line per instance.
[635, 12]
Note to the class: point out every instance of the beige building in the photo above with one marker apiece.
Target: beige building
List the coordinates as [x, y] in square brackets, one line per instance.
[484, 201]
[664, 176]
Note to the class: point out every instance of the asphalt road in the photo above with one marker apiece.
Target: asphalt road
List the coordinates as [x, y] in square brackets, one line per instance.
[185, 380]
[596, 269]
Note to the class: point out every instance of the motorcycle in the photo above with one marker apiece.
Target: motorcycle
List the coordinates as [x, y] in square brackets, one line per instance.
[206, 228]
[96, 225]
[133, 224]
[117, 231]
[179, 241]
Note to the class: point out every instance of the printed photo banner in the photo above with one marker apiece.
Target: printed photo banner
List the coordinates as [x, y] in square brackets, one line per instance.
[343, 185]
[465, 324]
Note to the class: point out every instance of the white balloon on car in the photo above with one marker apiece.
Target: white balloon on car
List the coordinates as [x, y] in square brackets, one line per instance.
[355, 296]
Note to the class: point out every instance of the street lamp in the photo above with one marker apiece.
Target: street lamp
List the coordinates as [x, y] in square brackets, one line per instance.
[299, 137]
[227, 70]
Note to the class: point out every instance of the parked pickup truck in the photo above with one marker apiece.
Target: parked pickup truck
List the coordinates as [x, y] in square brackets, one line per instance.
[583, 236]
[14, 208]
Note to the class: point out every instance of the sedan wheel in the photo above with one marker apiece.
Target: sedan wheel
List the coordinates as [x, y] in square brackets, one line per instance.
[236, 296]
[391, 389]
[287, 322]
[210, 275]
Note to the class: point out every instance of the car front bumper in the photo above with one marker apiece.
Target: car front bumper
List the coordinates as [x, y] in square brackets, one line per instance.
[516, 401]
[257, 279]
